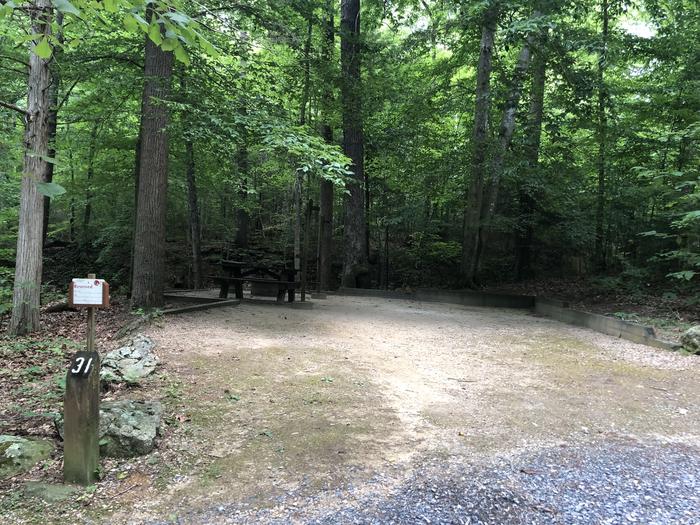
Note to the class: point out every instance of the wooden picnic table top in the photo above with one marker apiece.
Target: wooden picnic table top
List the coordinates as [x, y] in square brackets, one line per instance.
[254, 280]
[242, 264]
[239, 264]
[279, 268]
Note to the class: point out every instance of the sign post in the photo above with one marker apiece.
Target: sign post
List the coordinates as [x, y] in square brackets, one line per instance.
[81, 408]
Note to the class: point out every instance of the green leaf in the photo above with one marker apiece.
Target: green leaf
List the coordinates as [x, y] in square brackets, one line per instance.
[43, 49]
[154, 34]
[169, 44]
[50, 189]
[130, 23]
[209, 48]
[64, 6]
[141, 21]
[182, 55]
[6, 10]
[683, 276]
[180, 18]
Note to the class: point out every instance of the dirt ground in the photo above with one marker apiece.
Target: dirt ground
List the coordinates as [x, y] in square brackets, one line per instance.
[279, 397]
[266, 401]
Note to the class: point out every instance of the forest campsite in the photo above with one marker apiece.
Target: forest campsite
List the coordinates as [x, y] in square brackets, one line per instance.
[349, 261]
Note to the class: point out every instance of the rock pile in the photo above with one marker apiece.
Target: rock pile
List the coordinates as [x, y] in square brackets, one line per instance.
[691, 340]
[130, 362]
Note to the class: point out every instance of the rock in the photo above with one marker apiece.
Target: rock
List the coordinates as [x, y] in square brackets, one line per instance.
[127, 428]
[50, 492]
[131, 362]
[18, 454]
[691, 340]
[130, 427]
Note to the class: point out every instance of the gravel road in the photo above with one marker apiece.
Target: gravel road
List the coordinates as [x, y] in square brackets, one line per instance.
[608, 483]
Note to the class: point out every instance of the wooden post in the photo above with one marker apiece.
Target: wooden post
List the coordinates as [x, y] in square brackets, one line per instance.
[81, 410]
[91, 323]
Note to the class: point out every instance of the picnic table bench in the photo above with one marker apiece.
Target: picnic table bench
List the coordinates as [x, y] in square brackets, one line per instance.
[237, 272]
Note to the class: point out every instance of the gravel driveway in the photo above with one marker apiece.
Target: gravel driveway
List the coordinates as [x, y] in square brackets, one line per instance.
[608, 483]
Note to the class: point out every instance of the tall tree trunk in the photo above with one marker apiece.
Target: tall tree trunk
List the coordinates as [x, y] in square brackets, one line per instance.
[137, 171]
[52, 122]
[193, 203]
[71, 164]
[532, 155]
[599, 253]
[193, 206]
[355, 259]
[325, 223]
[325, 235]
[28, 265]
[505, 137]
[307, 71]
[149, 248]
[472, 211]
[300, 254]
[242, 215]
[87, 215]
[296, 210]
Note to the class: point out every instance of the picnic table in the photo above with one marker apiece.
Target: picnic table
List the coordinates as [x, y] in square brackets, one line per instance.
[237, 272]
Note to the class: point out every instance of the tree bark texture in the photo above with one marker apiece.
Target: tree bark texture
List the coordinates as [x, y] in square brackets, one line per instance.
[355, 249]
[602, 124]
[149, 248]
[52, 123]
[137, 171]
[307, 71]
[505, 131]
[71, 165]
[193, 207]
[242, 214]
[527, 187]
[300, 245]
[27, 287]
[472, 211]
[87, 212]
[505, 137]
[325, 223]
[296, 207]
[194, 219]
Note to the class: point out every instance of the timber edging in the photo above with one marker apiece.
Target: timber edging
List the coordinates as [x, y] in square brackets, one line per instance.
[202, 306]
[552, 308]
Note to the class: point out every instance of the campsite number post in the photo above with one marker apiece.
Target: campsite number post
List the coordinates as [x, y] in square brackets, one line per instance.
[81, 408]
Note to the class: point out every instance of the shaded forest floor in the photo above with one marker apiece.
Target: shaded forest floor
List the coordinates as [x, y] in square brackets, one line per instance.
[277, 415]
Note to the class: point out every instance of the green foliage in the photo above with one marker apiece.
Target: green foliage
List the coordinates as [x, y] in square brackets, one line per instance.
[6, 281]
[236, 96]
[310, 154]
[50, 189]
[168, 28]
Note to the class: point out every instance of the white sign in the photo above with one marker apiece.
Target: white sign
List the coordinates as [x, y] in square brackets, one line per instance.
[88, 291]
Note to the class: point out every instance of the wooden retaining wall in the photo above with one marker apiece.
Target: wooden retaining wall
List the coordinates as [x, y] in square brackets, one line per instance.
[558, 310]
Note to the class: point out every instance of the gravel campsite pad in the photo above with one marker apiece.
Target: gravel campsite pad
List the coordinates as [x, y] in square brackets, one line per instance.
[370, 410]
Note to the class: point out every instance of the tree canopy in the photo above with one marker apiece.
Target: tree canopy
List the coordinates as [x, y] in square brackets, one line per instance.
[468, 142]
